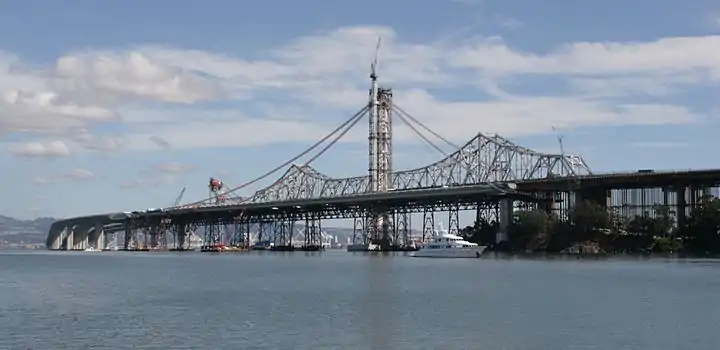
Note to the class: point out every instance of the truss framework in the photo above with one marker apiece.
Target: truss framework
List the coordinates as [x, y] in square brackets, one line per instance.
[484, 159]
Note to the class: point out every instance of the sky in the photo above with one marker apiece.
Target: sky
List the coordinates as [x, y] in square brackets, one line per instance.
[116, 105]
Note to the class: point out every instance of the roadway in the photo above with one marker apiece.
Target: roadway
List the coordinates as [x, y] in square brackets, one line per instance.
[419, 198]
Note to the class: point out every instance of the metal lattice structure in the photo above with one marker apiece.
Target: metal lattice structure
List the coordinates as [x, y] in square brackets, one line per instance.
[484, 159]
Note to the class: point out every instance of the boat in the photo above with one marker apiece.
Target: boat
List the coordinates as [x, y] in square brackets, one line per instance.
[360, 247]
[446, 245]
[91, 249]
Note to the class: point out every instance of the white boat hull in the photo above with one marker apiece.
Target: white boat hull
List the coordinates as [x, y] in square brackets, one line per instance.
[474, 252]
[362, 247]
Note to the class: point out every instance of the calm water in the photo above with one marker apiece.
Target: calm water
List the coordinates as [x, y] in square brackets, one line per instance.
[339, 300]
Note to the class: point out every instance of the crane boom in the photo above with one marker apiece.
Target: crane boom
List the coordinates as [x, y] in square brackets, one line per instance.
[179, 197]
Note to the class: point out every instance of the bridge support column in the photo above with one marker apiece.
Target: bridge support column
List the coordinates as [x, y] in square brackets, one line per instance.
[682, 212]
[401, 228]
[70, 240]
[454, 219]
[99, 242]
[283, 232]
[129, 239]
[57, 238]
[263, 234]
[380, 228]
[360, 232]
[97, 239]
[180, 235]
[80, 237]
[428, 224]
[154, 231]
[313, 234]
[506, 210]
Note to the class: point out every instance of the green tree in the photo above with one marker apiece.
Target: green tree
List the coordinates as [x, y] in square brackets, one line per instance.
[703, 227]
[482, 232]
[589, 218]
[531, 230]
[658, 224]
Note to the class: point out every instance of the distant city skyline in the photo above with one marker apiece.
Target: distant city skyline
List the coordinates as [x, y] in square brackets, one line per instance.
[112, 106]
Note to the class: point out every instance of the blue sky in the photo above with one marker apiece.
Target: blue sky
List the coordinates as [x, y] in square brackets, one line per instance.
[108, 106]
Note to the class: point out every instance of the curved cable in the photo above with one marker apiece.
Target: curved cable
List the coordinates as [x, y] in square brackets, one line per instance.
[418, 133]
[337, 138]
[333, 142]
[354, 119]
[401, 111]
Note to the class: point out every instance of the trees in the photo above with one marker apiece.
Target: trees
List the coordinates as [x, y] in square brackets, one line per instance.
[531, 230]
[588, 218]
[659, 224]
[588, 222]
[702, 233]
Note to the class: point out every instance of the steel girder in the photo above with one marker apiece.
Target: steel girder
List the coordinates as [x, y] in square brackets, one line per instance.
[484, 159]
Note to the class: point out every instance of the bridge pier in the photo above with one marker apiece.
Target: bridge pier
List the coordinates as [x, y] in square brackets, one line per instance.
[360, 234]
[56, 236]
[241, 235]
[428, 224]
[180, 236]
[283, 232]
[70, 238]
[97, 240]
[506, 208]
[401, 229]
[313, 234]
[81, 236]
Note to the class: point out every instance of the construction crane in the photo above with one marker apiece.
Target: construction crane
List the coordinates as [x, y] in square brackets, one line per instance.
[179, 197]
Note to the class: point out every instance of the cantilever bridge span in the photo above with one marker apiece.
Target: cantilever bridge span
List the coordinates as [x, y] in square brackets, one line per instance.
[478, 172]
[488, 174]
[479, 176]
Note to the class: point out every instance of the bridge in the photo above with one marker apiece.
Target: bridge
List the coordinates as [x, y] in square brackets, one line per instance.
[489, 174]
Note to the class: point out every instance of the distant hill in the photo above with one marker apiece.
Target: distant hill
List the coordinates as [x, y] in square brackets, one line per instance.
[16, 231]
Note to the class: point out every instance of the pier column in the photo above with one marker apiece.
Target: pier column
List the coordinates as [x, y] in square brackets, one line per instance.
[86, 238]
[99, 235]
[506, 206]
[680, 191]
[181, 232]
[57, 237]
[69, 241]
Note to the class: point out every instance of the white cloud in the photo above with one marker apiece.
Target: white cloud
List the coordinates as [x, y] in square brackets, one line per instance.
[158, 175]
[663, 56]
[148, 181]
[52, 149]
[173, 168]
[508, 22]
[75, 175]
[133, 74]
[325, 75]
[97, 142]
[659, 144]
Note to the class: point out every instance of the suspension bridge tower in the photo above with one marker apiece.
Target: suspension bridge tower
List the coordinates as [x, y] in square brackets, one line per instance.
[380, 153]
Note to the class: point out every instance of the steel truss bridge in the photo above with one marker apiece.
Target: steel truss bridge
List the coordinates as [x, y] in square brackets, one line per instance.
[476, 176]
[487, 174]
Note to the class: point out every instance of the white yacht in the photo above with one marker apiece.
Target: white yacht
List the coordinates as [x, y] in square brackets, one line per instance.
[446, 245]
[91, 249]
